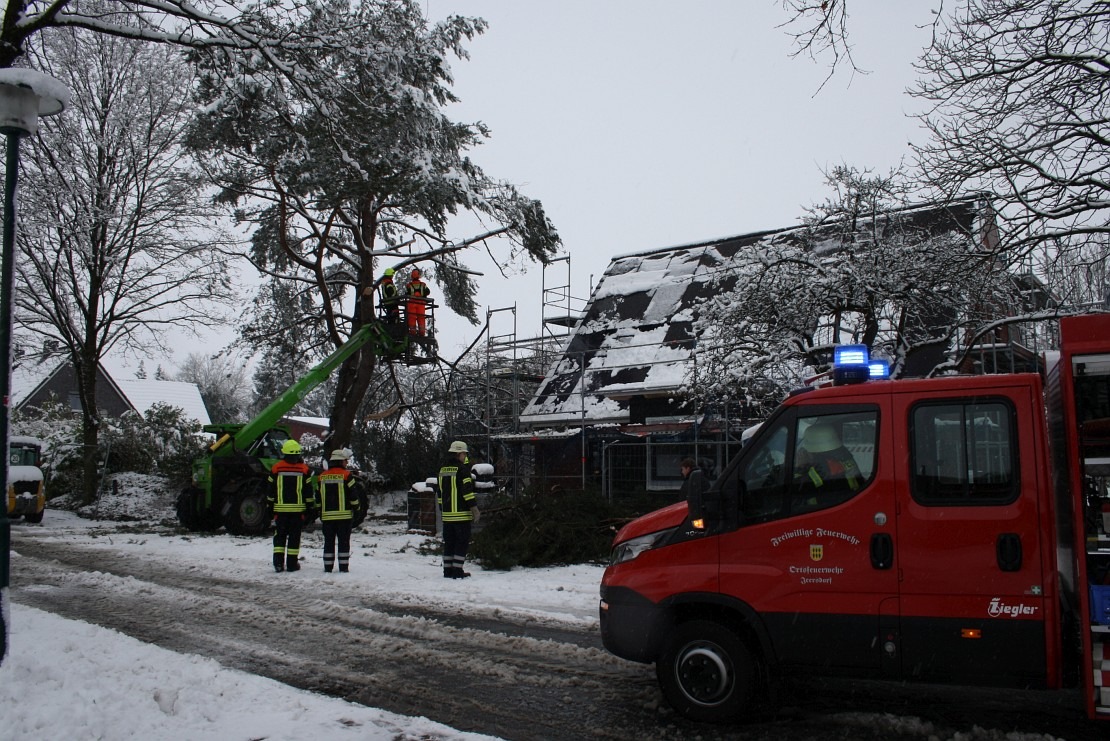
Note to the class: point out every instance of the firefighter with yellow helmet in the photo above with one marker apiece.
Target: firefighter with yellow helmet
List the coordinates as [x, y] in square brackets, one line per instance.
[292, 501]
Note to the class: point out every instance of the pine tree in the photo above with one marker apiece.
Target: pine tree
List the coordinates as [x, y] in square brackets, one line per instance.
[363, 171]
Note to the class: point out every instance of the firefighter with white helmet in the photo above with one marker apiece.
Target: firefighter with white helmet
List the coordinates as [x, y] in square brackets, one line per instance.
[338, 503]
[825, 466]
[458, 503]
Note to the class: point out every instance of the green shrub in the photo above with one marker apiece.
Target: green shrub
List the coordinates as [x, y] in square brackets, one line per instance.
[546, 530]
[163, 442]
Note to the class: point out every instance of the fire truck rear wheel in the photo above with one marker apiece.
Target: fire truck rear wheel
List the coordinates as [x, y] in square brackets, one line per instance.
[707, 673]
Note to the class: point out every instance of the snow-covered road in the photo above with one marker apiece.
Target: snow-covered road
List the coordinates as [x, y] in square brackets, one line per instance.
[510, 654]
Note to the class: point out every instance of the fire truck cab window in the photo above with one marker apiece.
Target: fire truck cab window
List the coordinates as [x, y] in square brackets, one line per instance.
[963, 453]
[807, 463]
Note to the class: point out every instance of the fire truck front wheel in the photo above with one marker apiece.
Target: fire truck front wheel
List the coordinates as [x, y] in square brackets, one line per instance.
[706, 672]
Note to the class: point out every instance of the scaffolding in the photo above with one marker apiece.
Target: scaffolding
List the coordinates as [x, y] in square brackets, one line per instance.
[492, 385]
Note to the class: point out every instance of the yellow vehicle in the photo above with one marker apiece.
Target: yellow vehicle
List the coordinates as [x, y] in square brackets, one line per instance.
[26, 492]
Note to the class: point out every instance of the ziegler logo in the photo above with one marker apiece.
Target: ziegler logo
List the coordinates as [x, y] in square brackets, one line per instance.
[998, 608]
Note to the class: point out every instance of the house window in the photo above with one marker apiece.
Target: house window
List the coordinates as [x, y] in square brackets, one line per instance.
[74, 401]
[963, 453]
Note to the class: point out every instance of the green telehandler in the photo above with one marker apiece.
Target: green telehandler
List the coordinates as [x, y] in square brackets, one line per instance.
[229, 483]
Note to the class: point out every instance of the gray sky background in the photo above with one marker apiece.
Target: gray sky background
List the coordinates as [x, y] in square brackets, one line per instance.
[643, 124]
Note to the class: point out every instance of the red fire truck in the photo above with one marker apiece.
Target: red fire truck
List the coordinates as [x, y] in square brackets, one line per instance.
[952, 529]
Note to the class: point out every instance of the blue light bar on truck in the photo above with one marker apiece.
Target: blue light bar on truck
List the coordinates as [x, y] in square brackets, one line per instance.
[879, 369]
[850, 355]
[850, 364]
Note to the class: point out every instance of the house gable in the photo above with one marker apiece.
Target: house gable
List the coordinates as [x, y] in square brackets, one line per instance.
[34, 384]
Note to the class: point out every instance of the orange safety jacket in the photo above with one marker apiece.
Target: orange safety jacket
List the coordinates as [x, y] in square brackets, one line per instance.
[337, 501]
[287, 490]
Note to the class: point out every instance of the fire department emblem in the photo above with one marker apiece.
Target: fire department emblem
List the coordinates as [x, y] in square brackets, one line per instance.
[816, 552]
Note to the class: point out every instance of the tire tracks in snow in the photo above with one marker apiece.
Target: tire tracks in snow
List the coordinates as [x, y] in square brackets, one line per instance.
[516, 680]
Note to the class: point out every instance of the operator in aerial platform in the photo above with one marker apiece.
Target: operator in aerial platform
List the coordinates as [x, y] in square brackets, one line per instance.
[416, 292]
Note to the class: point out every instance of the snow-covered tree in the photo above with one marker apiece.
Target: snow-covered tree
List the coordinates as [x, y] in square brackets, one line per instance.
[867, 268]
[222, 382]
[262, 28]
[362, 172]
[1018, 92]
[117, 241]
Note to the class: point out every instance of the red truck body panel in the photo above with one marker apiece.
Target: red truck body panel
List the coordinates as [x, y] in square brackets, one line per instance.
[949, 556]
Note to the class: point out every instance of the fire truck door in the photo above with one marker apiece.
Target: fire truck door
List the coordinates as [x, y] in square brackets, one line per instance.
[968, 545]
[813, 554]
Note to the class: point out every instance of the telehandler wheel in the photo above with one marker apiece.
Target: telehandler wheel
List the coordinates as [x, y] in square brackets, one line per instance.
[188, 513]
[707, 674]
[34, 518]
[248, 513]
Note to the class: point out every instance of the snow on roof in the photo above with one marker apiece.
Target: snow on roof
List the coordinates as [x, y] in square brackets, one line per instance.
[636, 336]
[314, 421]
[27, 375]
[144, 394]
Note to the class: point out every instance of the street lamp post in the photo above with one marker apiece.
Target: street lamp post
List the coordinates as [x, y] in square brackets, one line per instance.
[25, 95]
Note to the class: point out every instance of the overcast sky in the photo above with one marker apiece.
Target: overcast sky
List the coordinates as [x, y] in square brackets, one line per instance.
[643, 124]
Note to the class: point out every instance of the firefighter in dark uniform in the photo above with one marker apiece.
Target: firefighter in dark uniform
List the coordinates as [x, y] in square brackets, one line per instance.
[292, 502]
[338, 503]
[826, 472]
[388, 299]
[458, 504]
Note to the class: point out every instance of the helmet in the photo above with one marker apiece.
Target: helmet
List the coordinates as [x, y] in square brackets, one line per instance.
[389, 272]
[415, 273]
[340, 455]
[458, 447]
[820, 438]
[290, 447]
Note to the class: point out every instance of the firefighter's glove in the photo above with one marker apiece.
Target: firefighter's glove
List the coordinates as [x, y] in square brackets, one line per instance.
[475, 513]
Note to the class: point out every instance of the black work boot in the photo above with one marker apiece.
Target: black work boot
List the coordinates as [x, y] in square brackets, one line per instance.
[291, 564]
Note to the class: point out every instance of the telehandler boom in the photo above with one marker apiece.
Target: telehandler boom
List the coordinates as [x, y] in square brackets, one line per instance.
[230, 482]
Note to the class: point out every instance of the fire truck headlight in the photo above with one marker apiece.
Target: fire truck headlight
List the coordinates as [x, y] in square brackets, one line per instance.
[632, 548]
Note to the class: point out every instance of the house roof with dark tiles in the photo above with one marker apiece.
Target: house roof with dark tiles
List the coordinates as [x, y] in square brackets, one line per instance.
[636, 334]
